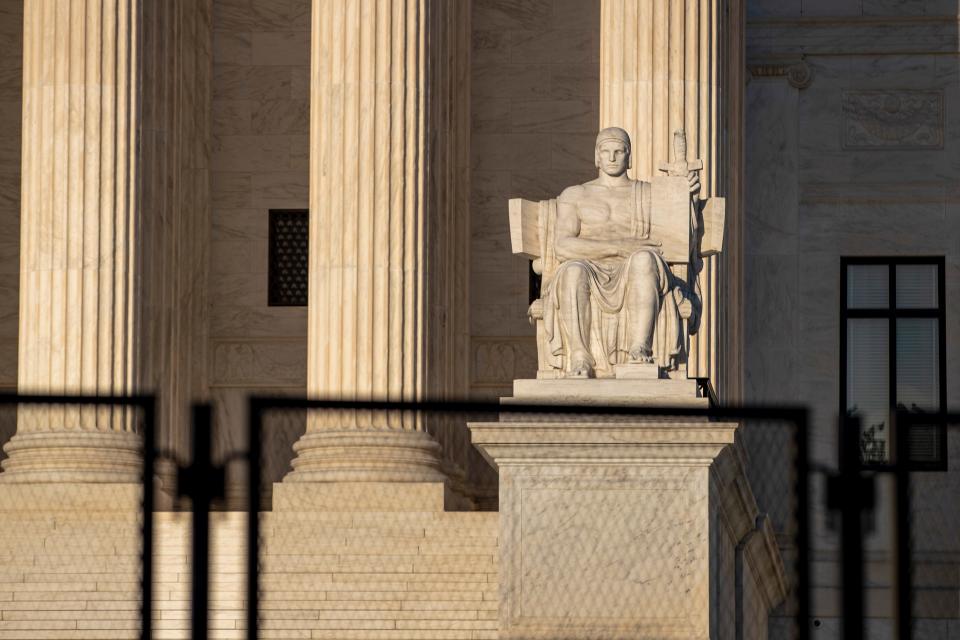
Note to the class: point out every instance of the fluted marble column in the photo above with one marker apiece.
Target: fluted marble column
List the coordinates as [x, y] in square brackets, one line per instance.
[79, 260]
[670, 64]
[386, 253]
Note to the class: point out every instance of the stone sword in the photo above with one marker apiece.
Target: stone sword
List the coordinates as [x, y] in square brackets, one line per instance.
[680, 167]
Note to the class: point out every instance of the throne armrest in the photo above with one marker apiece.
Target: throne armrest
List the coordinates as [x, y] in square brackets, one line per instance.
[714, 216]
[525, 228]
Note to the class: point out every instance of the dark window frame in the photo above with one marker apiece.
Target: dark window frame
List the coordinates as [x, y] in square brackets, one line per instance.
[274, 299]
[892, 314]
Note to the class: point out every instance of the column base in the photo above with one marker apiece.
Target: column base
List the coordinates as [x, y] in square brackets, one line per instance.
[366, 456]
[74, 456]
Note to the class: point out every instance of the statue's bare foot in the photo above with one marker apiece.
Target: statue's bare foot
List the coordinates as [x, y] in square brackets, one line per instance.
[580, 366]
[641, 354]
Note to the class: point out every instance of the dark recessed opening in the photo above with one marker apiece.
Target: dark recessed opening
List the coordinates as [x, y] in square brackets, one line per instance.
[289, 241]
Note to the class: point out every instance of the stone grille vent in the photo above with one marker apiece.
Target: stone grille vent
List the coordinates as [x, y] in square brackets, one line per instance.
[289, 232]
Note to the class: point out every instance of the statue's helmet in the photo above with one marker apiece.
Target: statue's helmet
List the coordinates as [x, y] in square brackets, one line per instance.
[616, 134]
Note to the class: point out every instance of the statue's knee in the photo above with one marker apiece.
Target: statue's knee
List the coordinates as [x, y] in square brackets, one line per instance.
[574, 276]
[643, 263]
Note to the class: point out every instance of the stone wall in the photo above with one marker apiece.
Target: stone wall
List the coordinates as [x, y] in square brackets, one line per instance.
[812, 197]
[260, 162]
[11, 80]
[535, 111]
[11, 83]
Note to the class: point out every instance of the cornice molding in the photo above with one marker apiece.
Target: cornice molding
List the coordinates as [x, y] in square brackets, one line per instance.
[922, 35]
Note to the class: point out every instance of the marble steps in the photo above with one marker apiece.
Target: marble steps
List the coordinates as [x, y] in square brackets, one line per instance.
[401, 575]
[415, 575]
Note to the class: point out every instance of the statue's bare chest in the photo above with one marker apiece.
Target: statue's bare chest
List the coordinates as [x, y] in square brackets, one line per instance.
[604, 212]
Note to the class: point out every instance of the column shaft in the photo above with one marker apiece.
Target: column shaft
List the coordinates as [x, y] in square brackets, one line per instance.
[381, 210]
[80, 227]
[666, 65]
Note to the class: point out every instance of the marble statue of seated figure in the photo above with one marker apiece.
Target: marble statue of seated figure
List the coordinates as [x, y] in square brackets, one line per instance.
[611, 296]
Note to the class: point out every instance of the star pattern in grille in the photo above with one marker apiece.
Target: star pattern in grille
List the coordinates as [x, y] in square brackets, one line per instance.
[289, 233]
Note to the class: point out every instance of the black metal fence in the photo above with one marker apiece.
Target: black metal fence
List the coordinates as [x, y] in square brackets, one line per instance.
[892, 571]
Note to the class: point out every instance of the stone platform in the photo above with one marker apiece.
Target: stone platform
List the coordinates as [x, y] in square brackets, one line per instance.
[623, 527]
[619, 392]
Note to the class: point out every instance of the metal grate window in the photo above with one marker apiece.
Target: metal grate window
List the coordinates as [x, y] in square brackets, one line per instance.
[289, 241]
[892, 355]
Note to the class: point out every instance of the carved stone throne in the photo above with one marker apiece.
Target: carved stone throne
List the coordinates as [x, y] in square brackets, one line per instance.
[688, 234]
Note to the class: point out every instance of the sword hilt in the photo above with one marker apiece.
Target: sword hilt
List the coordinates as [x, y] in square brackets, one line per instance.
[679, 147]
[680, 166]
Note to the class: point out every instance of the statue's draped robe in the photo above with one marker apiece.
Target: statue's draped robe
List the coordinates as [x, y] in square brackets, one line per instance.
[612, 330]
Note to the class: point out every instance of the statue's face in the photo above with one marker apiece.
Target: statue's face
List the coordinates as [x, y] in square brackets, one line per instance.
[613, 158]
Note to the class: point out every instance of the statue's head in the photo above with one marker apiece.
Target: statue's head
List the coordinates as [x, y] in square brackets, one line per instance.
[612, 153]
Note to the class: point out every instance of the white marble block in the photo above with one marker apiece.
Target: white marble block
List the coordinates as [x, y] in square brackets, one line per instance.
[625, 529]
[636, 371]
[631, 390]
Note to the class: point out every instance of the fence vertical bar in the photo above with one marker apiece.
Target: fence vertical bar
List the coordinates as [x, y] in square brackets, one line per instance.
[147, 506]
[850, 500]
[200, 506]
[803, 526]
[902, 423]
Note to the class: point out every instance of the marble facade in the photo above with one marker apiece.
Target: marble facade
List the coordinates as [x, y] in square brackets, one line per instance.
[827, 178]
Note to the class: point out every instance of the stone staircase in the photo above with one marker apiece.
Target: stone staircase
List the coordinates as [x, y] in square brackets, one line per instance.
[417, 575]
[388, 575]
[70, 563]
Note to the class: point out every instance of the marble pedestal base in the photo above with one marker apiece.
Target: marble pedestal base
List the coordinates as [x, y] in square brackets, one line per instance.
[74, 456]
[633, 392]
[366, 455]
[627, 529]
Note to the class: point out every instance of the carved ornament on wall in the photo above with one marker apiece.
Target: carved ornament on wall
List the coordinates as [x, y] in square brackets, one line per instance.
[798, 74]
[499, 361]
[892, 119]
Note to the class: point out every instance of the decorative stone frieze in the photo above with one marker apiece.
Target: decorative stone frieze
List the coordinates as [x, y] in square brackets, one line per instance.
[892, 119]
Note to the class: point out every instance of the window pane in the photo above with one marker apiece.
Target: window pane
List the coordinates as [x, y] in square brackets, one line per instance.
[867, 286]
[918, 364]
[917, 286]
[924, 443]
[868, 390]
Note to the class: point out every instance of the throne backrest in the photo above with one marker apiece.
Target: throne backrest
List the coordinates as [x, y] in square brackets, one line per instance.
[533, 225]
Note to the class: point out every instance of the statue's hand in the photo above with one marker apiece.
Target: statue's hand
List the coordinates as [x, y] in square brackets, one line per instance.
[693, 177]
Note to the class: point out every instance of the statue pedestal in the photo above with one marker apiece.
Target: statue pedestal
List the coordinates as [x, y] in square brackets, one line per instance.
[622, 527]
[639, 392]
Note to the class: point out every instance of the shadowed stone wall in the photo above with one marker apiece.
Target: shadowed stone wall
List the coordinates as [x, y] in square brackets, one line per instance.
[535, 111]
[11, 81]
[261, 135]
[844, 159]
